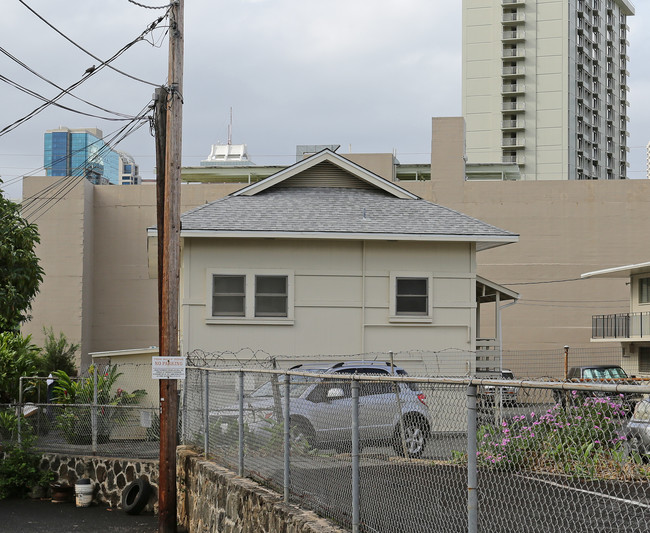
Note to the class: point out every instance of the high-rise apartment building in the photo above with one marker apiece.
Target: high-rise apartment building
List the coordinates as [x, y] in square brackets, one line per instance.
[545, 86]
[80, 152]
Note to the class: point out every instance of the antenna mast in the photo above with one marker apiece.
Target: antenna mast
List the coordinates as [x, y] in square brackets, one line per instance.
[230, 129]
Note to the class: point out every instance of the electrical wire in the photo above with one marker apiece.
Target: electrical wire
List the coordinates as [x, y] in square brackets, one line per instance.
[150, 28]
[35, 206]
[61, 106]
[150, 7]
[25, 66]
[87, 75]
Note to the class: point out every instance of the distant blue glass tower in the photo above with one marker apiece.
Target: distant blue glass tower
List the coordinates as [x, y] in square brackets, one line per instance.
[80, 152]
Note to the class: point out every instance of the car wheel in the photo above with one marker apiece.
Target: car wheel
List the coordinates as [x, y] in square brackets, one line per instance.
[302, 434]
[415, 437]
[634, 448]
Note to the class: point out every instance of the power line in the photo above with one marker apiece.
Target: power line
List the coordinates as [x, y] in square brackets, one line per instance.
[167, 6]
[25, 66]
[87, 75]
[36, 205]
[150, 28]
[47, 100]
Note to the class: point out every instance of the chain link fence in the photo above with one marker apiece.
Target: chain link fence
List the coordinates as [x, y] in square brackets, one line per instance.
[376, 450]
[111, 410]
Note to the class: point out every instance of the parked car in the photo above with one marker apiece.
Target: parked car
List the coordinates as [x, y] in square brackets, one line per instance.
[637, 431]
[607, 374]
[490, 393]
[321, 409]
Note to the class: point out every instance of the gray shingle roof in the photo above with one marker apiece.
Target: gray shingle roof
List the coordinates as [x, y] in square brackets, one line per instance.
[336, 211]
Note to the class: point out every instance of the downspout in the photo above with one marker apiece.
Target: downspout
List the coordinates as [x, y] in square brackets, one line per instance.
[363, 297]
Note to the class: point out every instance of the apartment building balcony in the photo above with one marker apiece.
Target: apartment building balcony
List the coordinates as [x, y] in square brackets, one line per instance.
[513, 142]
[513, 18]
[513, 35]
[511, 71]
[513, 88]
[519, 159]
[513, 53]
[513, 107]
[621, 327]
[513, 124]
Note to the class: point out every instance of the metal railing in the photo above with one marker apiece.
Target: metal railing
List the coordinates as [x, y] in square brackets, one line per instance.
[620, 326]
[388, 453]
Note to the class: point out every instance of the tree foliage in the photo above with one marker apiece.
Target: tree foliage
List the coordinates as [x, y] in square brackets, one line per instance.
[18, 358]
[58, 354]
[20, 272]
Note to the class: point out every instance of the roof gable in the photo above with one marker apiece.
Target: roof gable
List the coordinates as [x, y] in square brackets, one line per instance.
[326, 169]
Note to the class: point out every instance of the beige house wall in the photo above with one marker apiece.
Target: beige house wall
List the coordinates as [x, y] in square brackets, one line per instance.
[341, 296]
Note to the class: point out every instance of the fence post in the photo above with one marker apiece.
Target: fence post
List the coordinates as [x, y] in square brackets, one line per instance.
[241, 424]
[355, 457]
[287, 437]
[206, 413]
[20, 409]
[93, 412]
[472, 494]
[184, 422]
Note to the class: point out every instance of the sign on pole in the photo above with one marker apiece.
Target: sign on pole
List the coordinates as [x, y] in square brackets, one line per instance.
[167, 367]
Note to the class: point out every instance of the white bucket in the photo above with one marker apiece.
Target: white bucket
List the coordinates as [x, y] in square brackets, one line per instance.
[83, 494]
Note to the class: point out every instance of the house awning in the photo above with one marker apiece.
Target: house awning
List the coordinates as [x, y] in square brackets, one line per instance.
[487, 291]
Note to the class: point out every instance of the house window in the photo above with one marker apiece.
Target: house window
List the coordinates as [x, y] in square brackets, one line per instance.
[644, 290]
[235, 296]
[412, 296]
[271, 296]
[228, 295]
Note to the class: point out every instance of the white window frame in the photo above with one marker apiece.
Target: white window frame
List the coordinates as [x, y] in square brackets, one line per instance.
[393, 316]
[249, 297]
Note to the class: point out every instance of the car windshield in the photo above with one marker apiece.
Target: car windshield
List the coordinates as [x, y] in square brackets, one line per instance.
[612, 372]
[298, 385]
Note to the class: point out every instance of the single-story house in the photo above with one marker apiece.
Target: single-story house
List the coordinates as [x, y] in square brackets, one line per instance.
[326, 258]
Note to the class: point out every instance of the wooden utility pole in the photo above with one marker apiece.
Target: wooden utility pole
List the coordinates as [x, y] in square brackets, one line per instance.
[169, 273]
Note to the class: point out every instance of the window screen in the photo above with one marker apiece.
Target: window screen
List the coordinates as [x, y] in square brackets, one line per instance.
[412, 296]
[271, 296]
[228, 295]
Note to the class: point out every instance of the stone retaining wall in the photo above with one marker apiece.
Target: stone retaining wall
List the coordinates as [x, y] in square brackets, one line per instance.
[211, 498]
[109, 474]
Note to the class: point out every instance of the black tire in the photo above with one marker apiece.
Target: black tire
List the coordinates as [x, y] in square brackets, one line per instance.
[135, 496]
[415, 435]
[302, 434]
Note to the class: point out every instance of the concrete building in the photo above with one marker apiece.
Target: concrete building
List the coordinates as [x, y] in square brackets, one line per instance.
[129, 171]
[80, 152]
[545, 86]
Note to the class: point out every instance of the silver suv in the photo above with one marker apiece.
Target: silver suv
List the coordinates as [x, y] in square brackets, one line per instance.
[321, 409]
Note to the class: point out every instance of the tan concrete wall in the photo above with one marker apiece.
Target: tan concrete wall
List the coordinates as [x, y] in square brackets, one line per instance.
[64, 229]
[566, 228]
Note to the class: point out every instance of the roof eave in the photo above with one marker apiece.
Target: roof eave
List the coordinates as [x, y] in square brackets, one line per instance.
[483, 241]
[619, 272]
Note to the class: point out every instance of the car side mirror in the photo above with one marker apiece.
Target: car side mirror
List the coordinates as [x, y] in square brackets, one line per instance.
[335, 393]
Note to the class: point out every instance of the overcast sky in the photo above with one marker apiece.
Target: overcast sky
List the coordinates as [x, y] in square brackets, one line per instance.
[367, 75]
